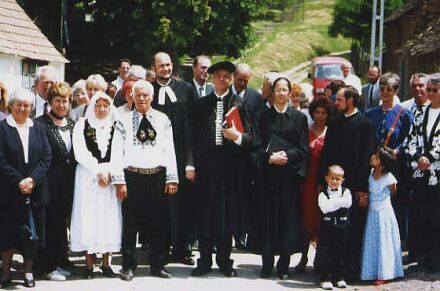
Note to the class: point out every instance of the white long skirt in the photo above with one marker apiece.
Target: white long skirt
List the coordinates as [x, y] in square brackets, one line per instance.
[96, 223]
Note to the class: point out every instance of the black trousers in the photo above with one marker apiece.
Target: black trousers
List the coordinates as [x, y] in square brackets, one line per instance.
[332, 247]
[358, 217]
[56, 250]
[223, 255]
[282, 264]
[146, 205]
[425, 223]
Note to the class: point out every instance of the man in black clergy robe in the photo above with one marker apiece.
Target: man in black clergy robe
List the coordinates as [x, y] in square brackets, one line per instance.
[220, 156]
[349, 143]
[175, 98]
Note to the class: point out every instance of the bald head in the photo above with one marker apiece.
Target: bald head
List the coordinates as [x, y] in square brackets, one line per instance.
[242, 76]
[163, 67]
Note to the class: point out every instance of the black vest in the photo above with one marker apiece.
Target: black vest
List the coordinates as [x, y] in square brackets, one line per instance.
[340, 217]
[92, 146]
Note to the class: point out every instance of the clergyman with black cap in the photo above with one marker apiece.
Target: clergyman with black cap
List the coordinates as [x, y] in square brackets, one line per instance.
[220, 164]
[150, 171]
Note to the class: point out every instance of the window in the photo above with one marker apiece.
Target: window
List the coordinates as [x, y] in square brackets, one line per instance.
[28, 68]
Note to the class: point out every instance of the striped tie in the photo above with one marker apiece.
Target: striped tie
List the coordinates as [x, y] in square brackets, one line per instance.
[218, 123]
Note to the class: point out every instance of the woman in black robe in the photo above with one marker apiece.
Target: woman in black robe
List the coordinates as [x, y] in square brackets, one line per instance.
[282, 153]
[59, 129]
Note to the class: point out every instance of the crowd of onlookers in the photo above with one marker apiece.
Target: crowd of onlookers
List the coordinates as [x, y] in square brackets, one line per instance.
[97, 167]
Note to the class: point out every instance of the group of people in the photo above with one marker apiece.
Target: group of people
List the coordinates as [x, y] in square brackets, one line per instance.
[168, 163]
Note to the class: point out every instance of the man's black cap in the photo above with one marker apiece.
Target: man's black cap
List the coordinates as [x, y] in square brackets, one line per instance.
[225, 65]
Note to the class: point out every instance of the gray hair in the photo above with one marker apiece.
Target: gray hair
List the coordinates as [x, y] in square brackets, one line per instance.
[434, 78]
[418, 76]
[137, 71]
[243, 68]
[390, 79]
[21, 95]
[79, 85]
[49, 70]
[98, 81]
[142, 84]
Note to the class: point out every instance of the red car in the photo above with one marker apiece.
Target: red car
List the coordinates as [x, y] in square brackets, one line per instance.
[324, 70]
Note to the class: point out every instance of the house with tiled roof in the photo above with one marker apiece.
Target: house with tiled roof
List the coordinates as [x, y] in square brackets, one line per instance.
[412, 35]
[23, 47]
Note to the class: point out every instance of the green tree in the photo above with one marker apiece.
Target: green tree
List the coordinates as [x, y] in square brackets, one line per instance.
[352, 18]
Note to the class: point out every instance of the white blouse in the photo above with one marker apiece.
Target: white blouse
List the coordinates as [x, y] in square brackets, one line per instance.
[23, 132]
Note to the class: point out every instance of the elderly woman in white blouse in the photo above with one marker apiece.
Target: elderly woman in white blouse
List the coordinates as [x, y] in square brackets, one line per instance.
[24, 161]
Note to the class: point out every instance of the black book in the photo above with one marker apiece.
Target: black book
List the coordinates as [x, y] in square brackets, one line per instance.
[277, 144]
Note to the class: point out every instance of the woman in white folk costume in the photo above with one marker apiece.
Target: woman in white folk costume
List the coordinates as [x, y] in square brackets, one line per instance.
[96, 214]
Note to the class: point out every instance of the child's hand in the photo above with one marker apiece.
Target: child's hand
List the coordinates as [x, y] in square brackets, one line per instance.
[362, 198]
[393, 189]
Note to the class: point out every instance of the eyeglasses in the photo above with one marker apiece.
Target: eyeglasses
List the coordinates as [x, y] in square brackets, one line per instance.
[281, 90]
[386, 89]
[432, 90]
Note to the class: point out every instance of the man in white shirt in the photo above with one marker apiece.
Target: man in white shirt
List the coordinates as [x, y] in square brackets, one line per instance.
[350, 79]
[45, 76]
[150, 168]
[200, 72]
[123, 71]
[419, 95]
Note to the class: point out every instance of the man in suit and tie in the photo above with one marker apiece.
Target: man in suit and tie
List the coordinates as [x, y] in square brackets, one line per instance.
[240, 88]
[200, 82]
[45, 76]
[370, 91]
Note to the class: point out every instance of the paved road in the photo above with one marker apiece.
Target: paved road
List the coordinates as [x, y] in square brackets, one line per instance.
[248, 268]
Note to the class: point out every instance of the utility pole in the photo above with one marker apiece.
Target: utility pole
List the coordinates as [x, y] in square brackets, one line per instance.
[373, 50]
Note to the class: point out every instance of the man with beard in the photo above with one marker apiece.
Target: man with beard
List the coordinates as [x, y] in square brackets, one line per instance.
[175, 98]
[349, 143]
[220, 156]
[370, 91]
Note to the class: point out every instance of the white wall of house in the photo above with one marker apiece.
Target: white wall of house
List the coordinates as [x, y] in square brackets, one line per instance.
[10, 71]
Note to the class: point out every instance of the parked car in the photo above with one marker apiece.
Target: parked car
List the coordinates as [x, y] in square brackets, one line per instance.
[324, 70]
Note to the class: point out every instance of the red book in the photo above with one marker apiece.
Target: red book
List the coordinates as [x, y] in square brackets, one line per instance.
[234, 115]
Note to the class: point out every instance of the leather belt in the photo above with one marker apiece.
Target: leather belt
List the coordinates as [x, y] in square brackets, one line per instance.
[143, 171]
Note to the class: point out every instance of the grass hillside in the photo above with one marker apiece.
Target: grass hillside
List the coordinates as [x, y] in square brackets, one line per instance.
[291, 42]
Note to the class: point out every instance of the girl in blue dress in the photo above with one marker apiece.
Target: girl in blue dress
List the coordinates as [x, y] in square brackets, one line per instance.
[381, 254]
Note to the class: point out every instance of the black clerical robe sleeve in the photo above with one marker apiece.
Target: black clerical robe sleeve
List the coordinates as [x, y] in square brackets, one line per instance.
[365, 150]
[297, 156]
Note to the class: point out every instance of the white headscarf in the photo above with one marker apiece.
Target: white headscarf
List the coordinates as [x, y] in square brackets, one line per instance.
[103, 126]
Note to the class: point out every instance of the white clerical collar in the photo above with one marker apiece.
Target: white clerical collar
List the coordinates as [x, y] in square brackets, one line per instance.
[221, 96]
[166, 89]
[282, 110]
[11, 121]
[351, 114]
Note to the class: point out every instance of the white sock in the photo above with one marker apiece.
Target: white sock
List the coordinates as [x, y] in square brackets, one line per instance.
[28, 276]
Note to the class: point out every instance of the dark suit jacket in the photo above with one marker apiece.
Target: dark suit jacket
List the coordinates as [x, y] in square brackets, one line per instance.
[13, 168]
[364, 105]
[253, 99]
[208, 90]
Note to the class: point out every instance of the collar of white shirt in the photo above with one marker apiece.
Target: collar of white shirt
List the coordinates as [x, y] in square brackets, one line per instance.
[353, 113]
[221, 96]
[11, 121]
[235, 91]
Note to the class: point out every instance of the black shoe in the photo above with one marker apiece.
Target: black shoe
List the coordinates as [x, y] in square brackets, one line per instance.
[199, 271]
[265, 273]
[66, 264]
[127, 275]
[88, 273]
[5, 283]
[161, 273]
[283, 276]
[29, 283]
[239, 245]
[186, 260]
[107, 272]
[228, 272]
